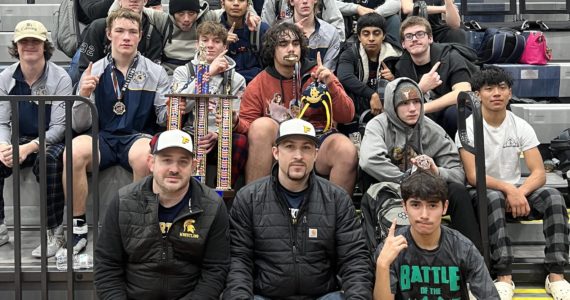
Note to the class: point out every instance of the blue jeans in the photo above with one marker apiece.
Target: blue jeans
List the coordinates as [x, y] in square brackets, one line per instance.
[338, 295]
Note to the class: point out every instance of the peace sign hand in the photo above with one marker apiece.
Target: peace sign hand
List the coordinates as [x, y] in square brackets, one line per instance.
[322, 74]
[393, 245]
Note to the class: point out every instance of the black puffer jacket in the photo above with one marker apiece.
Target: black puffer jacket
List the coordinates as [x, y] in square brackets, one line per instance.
[276, 256]
[133, 260]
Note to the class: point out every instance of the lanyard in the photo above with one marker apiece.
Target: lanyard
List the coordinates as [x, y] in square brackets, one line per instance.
[120, 93]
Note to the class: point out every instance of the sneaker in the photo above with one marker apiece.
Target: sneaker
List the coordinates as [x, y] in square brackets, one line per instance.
[4, 237]
[506, 291]
[55, 240]
[79, 237]
[559, 290]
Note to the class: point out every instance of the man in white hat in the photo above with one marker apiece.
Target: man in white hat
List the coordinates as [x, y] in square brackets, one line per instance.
[165, 236]
[294, 233]
[33, 74]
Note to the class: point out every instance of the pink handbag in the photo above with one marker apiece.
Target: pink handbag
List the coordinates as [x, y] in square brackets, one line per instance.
[536, 52]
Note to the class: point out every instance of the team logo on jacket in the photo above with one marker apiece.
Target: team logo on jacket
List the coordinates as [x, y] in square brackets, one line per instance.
[139, 77]
[189, 230]
[42, 91]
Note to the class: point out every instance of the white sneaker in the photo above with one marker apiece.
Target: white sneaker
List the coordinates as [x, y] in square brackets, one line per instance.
[4, 237]
[559, 290]
[55, 240]
[506, 291]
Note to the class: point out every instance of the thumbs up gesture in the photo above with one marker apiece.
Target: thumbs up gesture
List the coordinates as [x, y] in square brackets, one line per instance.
[393, 245]
[88, 82]
[431, 79]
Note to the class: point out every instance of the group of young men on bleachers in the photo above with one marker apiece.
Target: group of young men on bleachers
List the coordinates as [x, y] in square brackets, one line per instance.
[289, 232]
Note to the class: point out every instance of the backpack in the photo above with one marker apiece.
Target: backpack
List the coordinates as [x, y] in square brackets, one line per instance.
[471, 57]
[501, 45]
[66, 31]
[380, 205]
[420, 9]
[560, 147]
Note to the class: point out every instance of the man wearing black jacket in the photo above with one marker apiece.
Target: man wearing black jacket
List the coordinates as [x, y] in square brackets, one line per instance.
[293, 234]
[440, 70]
[166, 236]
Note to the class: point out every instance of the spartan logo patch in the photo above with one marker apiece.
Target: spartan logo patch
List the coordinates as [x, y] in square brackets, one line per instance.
[189, 230]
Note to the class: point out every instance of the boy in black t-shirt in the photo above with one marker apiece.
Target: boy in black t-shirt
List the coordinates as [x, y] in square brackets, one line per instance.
[440, 70]
[426, 260]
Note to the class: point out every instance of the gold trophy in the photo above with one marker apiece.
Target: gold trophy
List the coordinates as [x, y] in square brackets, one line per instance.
[202, 98]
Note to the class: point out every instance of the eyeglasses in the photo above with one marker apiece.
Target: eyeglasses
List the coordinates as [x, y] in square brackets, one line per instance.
[418, 35]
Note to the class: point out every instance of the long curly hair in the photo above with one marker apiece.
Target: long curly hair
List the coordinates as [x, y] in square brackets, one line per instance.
[272, 37]
[49, 49]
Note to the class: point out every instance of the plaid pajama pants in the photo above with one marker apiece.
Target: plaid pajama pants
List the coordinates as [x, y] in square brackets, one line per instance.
[546, 204]
[54, 171]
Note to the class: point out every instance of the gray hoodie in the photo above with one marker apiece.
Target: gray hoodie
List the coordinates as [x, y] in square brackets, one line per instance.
[183, 82]
[389, 143]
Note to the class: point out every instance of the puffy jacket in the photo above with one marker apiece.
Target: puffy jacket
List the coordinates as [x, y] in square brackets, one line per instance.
[276, 256]
[135, 261]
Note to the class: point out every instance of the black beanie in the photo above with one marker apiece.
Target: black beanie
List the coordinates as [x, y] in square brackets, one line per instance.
[181, 5]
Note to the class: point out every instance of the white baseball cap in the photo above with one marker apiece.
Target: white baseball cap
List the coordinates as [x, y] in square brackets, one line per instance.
[296, 127]
[170, 139]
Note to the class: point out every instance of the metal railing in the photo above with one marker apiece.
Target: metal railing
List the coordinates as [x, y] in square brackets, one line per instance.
[70, 275]
[478, 149]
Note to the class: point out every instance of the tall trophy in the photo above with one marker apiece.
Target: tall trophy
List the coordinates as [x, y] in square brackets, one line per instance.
[202, 98]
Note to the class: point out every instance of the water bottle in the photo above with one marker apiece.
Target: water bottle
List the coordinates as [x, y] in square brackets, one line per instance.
[80, 261]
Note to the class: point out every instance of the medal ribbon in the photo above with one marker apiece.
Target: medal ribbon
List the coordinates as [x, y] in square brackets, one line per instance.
[119, 93]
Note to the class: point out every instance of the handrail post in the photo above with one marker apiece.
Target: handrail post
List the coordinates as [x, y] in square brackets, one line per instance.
[15, 140]
[16, 202]
[478, 149]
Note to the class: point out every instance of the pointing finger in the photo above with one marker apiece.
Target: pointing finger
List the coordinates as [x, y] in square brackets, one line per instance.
[88, 70]
[434, 68]
[392, 228]
[319, 60]
[232, 28]
[384, 66]
[223, 53]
